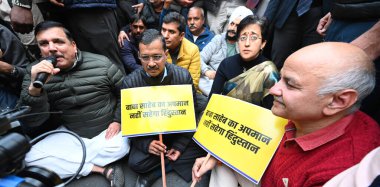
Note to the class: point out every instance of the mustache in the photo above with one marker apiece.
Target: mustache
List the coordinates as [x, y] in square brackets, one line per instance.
[152, 67]
[231, 31]
[57, 55]
[192, 27]
[278, 99]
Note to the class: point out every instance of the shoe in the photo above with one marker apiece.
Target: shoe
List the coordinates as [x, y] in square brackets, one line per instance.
[116, 177]
[145, 180]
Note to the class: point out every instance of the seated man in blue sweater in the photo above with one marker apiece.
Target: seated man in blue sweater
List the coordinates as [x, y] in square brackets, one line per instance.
[196, 30]
[129, 47]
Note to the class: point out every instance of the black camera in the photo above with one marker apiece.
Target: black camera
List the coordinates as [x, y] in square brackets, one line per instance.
[13, 148]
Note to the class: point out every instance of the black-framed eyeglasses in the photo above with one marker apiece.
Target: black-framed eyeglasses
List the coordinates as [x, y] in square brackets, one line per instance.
[251, 38]
[147, 58]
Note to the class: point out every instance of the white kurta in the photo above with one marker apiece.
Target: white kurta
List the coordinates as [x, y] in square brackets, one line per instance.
[62, 153]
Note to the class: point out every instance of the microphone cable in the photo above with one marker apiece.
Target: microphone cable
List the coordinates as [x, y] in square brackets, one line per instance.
[38, 138]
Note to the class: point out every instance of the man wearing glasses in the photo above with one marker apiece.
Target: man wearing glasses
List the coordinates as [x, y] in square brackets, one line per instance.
[180, 151]
[220, 47]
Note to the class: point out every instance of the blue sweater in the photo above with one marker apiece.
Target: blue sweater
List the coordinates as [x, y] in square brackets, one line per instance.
[202, 39]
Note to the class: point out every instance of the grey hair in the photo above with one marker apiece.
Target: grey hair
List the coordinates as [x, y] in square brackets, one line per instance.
[362, 79]
[200, 9]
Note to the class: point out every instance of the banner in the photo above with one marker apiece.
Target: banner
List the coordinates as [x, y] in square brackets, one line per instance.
[241, 135]
[157, 110]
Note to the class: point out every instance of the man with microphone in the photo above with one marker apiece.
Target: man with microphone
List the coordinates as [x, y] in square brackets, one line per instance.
[86, 88]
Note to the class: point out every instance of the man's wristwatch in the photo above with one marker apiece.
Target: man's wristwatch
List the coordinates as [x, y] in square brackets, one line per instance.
[14, 72]
[22, 3]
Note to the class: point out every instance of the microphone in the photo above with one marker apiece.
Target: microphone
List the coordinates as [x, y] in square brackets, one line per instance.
[41, 77]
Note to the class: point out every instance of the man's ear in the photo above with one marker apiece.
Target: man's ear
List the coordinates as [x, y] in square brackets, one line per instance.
[341, 101]
[182, 35]
[74, 45]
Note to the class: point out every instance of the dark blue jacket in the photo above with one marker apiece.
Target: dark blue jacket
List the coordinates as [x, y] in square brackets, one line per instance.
[152, 18]
[278, 11]
[90, 3]
[129, 54]
[202, 39]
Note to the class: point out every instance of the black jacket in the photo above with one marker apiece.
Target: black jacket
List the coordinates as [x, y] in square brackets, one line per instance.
[88, 95]
[355, 9]
[14, 54]
[179, 141]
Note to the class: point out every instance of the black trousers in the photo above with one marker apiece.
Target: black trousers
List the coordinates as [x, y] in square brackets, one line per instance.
[296, 33]
[143, 163]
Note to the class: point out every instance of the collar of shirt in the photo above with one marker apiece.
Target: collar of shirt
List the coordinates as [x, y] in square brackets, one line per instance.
[163, 77]
[320, 137]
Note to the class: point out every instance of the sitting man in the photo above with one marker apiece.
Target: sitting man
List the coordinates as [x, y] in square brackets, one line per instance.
[326, 133]
[179, 148]
[182, 52]
[86, 88]
[196, 30]
[129, 48]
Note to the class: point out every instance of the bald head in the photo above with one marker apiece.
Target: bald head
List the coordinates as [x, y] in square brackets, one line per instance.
[332, 55]
[339, 66]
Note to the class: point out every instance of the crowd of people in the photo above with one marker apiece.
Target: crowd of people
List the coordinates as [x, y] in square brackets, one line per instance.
[313, 62]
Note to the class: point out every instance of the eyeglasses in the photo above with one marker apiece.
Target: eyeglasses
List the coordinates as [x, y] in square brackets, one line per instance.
[251, 37]
[147, 58]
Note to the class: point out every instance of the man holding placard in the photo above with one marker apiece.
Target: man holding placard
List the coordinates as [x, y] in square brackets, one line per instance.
[326, 134]
[179, 149]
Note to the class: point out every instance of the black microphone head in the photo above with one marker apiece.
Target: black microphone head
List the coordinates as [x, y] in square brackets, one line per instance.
[52, 59]
[38, 84]
[41, 77]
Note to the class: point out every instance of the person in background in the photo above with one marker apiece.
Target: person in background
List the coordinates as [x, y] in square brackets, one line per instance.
[94, 25]
[17, 15]
[152, 11]
[219, 48]
[13, 61]
[183, 53]
[357, 23]
[219, 13]
[294, 23]
[180, 6]
[129, 48]
[196, 30]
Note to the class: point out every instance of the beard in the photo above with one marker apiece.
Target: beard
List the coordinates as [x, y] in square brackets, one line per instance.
[138, 38]
[231, 38]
